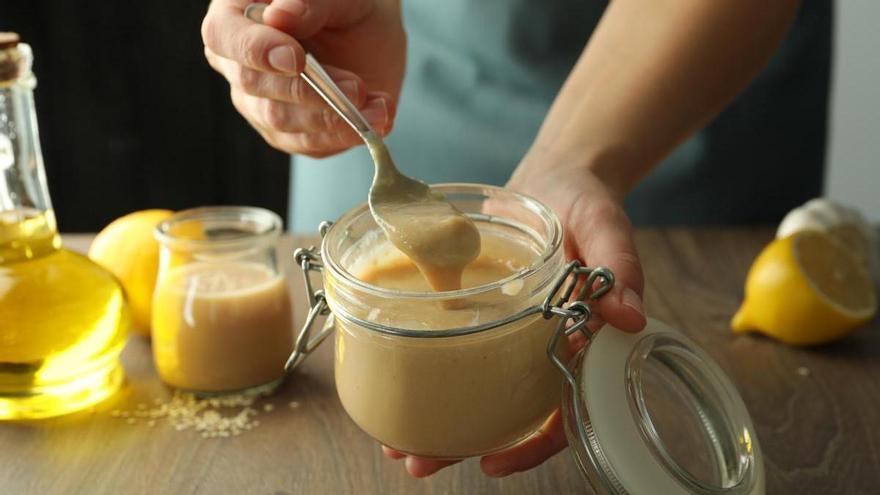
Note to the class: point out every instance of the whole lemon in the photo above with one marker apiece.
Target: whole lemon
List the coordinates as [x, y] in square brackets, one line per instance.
[806, 289]
[128, 249]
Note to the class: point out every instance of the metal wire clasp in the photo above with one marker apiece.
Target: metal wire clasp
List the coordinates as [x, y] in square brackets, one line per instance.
[309, 260]
[574, 315]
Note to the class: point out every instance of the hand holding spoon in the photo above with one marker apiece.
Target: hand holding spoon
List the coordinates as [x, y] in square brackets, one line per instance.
[420, 222]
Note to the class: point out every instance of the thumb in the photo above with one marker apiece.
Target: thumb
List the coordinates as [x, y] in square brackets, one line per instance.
[305, 18]
[603, 237]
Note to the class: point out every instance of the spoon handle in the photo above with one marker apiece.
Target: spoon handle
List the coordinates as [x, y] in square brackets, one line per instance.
[318, 79]
[315, 75]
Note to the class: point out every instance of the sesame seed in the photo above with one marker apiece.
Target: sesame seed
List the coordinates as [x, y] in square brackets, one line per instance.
[803, 371]
[216, 417]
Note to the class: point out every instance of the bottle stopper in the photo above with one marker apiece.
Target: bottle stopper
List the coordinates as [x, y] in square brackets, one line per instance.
[9, 40]
[9, 56]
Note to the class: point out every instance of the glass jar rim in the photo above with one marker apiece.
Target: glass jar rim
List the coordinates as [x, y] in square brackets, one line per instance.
[549, 247]
[268, 221]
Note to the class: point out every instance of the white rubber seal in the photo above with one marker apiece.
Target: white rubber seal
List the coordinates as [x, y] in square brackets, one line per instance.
[603, 388]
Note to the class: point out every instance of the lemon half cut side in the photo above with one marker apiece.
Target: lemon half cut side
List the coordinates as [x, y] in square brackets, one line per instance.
[806, 289]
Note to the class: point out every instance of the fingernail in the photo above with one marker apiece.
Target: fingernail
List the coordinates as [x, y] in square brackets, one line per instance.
[296, 7]
[631, 299]
[376, 111]
[387, 129]
[414, 469]
[283, 59]
[350, 88]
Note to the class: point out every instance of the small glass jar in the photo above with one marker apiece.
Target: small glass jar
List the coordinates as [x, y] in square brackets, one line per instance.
[221, 318]
[466, 373]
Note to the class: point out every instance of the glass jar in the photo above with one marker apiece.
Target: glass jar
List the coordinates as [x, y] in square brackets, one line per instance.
[407, 377]
[221, 317]
[465, 373]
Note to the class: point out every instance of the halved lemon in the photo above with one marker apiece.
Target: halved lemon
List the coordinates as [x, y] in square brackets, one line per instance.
[806, 289]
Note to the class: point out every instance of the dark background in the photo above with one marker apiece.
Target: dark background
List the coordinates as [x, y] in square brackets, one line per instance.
[131, 116]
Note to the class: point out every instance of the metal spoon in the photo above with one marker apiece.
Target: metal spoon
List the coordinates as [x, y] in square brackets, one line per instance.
[419, 221]
[387, 174]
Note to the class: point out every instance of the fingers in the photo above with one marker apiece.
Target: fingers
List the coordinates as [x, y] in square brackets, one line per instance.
[228, 33]
[418, 467]
[292, 117]
[388, 451]
[603, 234]
[311, 131]
[285, 88]
[288, 117]
[278, 116]
[304, 18]
[532, 452]
[262, 64]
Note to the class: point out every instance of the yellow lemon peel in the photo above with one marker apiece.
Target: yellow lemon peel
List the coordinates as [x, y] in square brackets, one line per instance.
[126, 247]
[806, 289]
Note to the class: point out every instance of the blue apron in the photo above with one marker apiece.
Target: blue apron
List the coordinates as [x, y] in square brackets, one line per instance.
[482, 74]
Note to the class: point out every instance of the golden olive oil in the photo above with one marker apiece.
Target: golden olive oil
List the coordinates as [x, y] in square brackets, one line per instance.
[63, 321]
[62, 318]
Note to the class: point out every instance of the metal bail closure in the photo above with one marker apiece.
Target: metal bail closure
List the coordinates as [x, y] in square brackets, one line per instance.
[308, 260]
[574, 317]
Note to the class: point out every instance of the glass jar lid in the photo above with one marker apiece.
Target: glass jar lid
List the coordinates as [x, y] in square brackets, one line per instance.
[652, 413]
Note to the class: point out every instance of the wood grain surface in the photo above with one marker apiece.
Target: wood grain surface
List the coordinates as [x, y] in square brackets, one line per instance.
[818, 430]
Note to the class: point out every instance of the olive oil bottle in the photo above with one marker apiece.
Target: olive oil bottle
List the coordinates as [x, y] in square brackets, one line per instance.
[63, 319]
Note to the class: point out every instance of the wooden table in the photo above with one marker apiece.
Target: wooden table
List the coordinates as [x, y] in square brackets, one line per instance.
[820, 430]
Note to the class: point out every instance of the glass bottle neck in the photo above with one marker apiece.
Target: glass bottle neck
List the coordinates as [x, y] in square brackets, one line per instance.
[27, 222]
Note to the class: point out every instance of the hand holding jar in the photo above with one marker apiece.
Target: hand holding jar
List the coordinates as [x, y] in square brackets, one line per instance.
[414, 366]
[597, 233]
[441, 376]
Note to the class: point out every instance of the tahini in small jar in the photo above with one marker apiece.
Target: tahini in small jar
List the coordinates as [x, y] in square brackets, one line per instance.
[221, 309]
